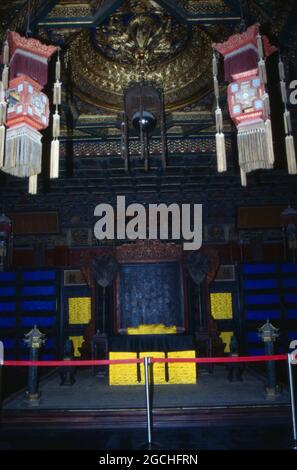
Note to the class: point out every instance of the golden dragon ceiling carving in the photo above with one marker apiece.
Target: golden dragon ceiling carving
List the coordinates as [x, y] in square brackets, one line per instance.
[140, 40]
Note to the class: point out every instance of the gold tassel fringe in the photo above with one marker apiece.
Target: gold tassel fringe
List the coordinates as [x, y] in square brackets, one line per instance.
[255, 150]
[23, 151]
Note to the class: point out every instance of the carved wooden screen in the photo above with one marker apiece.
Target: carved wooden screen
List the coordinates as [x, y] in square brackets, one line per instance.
[150, 293]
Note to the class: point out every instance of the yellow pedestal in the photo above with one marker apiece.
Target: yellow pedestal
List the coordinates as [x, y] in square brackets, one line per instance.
[123, 374]
[182, 372]
[179, 373]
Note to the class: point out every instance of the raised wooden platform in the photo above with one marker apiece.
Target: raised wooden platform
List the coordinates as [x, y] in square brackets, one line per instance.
[220, 416]
[91, 403]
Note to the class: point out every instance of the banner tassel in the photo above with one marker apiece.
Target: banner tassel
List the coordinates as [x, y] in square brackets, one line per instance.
[5, 55]
[54, 160]
[56, 125]
[219, 120]
[220, 137]
[270, 151]
[3, 112]
[2, 144]
[5, 77]
[58, 70]
[284, 92]
[291, 155]
[281, 70]
[287, 122]
[260, 46]
[266, 105]
[243, 177]
[33, 184]
[262, 71]
[57, 93]
[221, 152]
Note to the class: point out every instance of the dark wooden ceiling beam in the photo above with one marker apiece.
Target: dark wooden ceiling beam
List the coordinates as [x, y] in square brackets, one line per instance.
[99, 17]
[40, 13]
[202, 19]
[110, 6]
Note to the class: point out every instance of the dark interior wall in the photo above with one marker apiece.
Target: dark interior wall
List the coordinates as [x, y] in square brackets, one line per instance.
[76, 219]
[189, 178]
[219, 197]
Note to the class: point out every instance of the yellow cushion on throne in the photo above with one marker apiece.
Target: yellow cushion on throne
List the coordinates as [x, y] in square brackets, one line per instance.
[154, 329]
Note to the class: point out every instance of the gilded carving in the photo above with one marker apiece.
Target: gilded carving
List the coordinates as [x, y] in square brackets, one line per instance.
[71, 11]
[142, 36]
[101, 80]
[176, 146]
[144, 250]
[204, 6]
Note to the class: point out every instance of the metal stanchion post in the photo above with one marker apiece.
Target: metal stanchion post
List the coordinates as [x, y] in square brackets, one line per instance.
[149, 380]
[147, 362]
[291, 382]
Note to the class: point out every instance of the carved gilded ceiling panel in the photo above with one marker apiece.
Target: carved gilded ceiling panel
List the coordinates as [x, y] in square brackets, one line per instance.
[102, 68]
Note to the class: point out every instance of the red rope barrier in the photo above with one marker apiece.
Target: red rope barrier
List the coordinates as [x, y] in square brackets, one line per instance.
[98, 362]
[208, 360]
[199, 360]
